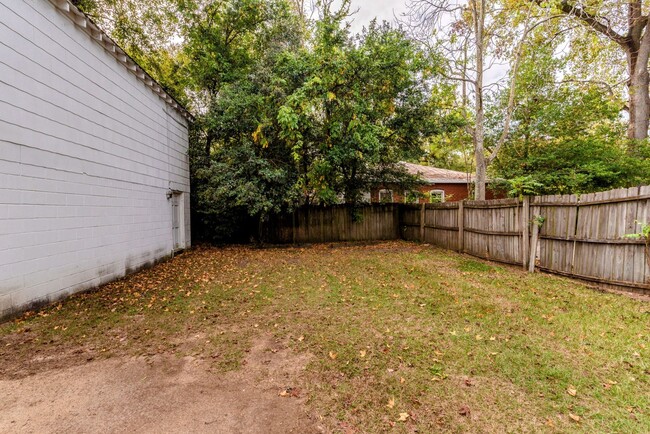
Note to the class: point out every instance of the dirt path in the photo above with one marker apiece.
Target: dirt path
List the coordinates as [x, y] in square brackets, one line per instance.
[162, 394]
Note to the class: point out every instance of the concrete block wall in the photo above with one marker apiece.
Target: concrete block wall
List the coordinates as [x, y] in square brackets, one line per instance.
[88, 155]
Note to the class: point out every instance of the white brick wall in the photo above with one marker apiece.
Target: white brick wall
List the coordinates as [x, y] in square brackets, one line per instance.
[87, 155]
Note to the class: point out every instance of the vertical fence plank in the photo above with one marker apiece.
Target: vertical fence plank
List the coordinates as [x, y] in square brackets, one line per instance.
[422, 219]
[525, 238]
[461, 226]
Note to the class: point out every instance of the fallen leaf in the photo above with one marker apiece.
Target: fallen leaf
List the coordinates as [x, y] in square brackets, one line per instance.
[362, 353]
[572, 391]
[403, 417]
[464, 411]
[574, 417]
[301, 338]
[333, 355]
[402, 380]
[391, 403]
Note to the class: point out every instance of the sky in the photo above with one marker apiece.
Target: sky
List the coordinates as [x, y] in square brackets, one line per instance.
[369, 9]
[387, 10]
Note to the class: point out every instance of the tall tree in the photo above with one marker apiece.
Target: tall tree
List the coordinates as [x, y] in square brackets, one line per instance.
[473, 35]
[626, 25]
[367, 103]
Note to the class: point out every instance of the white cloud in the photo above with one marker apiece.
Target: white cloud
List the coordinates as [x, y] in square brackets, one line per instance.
[380, 9]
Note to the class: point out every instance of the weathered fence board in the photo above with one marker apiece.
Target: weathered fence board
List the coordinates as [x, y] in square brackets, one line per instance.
[581, 236]
[336, 223]
[494, 230]
[585, 236]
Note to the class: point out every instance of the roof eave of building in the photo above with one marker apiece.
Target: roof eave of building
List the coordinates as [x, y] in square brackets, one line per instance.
[447, 181]
[432, 181]
[85, 23]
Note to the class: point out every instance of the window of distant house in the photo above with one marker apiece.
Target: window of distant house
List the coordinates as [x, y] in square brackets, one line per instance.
[385, 196]
[437, 196]
[411, 197]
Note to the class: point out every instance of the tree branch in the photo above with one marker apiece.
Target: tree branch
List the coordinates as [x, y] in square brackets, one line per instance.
[592, 20]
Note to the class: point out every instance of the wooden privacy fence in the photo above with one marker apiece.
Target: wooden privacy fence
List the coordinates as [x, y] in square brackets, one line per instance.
[494, 229]
[336, 223]
[583, 237]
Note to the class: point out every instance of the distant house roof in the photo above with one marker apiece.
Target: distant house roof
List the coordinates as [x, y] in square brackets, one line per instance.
[85, 23]
[435, 175]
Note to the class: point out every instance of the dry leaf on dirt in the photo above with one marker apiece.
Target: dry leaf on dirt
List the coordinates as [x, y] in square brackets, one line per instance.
[333, 355]
[391, 403]
[362, 353]
[403, 417]
[572, 391]
[464, 411]
[574, 417]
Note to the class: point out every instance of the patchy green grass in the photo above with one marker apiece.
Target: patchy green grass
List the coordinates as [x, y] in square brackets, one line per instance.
[405, 337]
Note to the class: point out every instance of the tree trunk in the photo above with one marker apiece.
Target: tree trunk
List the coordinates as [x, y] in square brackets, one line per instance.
[635, 42]
[479, 131]
[637, 49]
[639, 88]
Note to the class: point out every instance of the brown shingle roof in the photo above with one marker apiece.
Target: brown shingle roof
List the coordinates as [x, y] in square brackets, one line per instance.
[433, 175]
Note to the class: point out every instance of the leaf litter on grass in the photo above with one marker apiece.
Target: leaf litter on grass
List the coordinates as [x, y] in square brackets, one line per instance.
[383, 328]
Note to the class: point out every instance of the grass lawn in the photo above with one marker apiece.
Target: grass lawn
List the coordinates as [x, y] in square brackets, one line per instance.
[403, 337]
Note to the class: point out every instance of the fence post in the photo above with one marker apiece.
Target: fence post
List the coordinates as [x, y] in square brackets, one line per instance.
[461, 224]
[537, 221]
[423, 211]
[525, 238]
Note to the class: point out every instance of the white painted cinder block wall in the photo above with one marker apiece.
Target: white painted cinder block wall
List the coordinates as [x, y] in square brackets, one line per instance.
[87, 156]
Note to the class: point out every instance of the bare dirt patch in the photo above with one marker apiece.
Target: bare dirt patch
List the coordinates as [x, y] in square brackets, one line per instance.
[163, 393]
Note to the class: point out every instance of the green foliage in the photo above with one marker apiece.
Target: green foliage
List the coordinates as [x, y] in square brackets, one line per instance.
[149, 31]
[241, 182]
[295, 116]
[567, 137]
[365, 104]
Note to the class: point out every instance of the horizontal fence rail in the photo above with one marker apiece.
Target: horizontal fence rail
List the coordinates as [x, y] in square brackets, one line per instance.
[586, 236]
